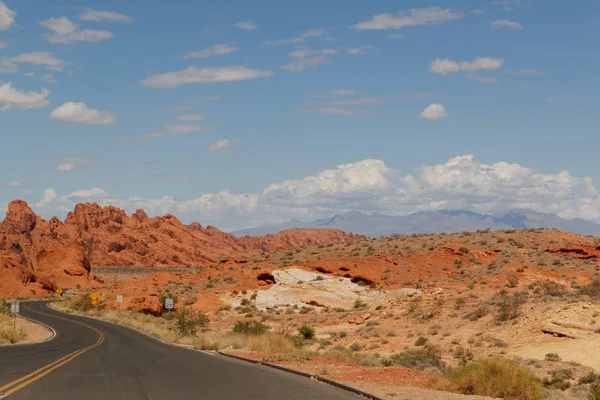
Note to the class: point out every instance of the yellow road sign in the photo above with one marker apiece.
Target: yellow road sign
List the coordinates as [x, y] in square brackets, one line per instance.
[59, 292]
[94, 297]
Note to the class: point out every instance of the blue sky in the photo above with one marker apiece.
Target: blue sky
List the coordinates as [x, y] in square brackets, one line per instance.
[197, 108]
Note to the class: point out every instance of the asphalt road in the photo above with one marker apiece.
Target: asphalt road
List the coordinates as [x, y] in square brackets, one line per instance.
[94, 360]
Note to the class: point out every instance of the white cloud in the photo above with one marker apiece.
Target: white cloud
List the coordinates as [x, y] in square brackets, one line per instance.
[504, 23]
[40, 58]
[48, 197]
[447, 66]
[310, 33]
[413, 17]
[11, 97]
[335, 111]
[15, 184]
[97, 15]
[66, 167]
[190, 117]
[356, 51]
[3, 45]
[7, 17]
[444, 67]
[217, 49]
[48, 78]
[67, 32]
[7, 66]
[304, 57]
[368, 186]
[185, 129]
[434, 111]
[246, 26]
[223, 144]
[205, 75]
[79, 112]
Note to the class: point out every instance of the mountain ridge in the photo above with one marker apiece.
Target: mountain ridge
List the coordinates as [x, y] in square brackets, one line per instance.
[441, 221]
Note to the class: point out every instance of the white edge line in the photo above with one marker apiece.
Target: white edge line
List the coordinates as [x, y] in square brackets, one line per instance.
[31, 344]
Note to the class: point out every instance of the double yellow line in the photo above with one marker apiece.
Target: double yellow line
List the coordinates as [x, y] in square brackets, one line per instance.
[20, 383]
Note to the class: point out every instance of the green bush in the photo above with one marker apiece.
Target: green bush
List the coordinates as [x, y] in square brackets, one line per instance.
[251, 328]
[419, 359]
[493, 377]
[307, 332]
[189, 321]
[421, 341]
[592, 289]
[594, 393]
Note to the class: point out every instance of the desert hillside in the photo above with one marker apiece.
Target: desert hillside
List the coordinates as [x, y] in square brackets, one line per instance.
[38, 255]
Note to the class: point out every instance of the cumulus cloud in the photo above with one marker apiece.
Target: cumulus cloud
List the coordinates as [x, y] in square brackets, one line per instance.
[446, 66]
[7, 17]
[66, 32]
[214, 50]
[205, 75]
[11, 97]
[413, 17]
[223, 144]
[108, 16]
[504, 23]
[246, 26]
[434, 111]
[80, 112]
[44, 58]
[368, 186]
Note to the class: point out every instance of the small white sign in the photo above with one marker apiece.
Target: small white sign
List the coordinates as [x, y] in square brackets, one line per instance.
[169, 304]
[14, 307]
[119, 298]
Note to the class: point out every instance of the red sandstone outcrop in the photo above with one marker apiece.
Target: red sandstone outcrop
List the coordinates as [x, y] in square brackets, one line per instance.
[107, 236]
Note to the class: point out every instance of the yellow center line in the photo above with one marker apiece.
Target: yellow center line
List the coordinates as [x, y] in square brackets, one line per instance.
[45, 370]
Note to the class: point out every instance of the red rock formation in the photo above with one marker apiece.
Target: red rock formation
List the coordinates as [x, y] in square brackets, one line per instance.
[107, 236]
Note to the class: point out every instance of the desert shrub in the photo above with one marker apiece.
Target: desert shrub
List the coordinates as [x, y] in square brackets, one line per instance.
[4, 307]
[509, 307]
[464, 250]
[189, 321]
[420, 359]
[594, 393]
[307, 332]
[359, 304]
[589, 378]
[116, 247]
[592, 289]
[552, 288]
[552, 357]
[478, 313]
[81, 303]
[512, 281]
[493, 377]
[421, 341]
[11, 336]
[251, 328]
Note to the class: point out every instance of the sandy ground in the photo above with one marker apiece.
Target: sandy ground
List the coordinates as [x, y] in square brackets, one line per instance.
[33, 332]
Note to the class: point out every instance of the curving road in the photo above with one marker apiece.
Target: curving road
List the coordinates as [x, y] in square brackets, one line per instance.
[94, 360]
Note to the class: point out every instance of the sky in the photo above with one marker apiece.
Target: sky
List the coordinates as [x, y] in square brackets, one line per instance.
[240, 114]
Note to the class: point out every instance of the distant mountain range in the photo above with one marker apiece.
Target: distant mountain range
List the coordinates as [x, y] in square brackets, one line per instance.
[375, 225]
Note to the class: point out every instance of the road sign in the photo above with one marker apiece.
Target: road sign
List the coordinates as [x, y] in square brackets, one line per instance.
[168, 304]
[94, 297]
[119, 298]
[14, 307]
[59, 292]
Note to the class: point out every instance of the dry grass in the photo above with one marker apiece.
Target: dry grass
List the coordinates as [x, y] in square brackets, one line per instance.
[494, 377]
[7, 332]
